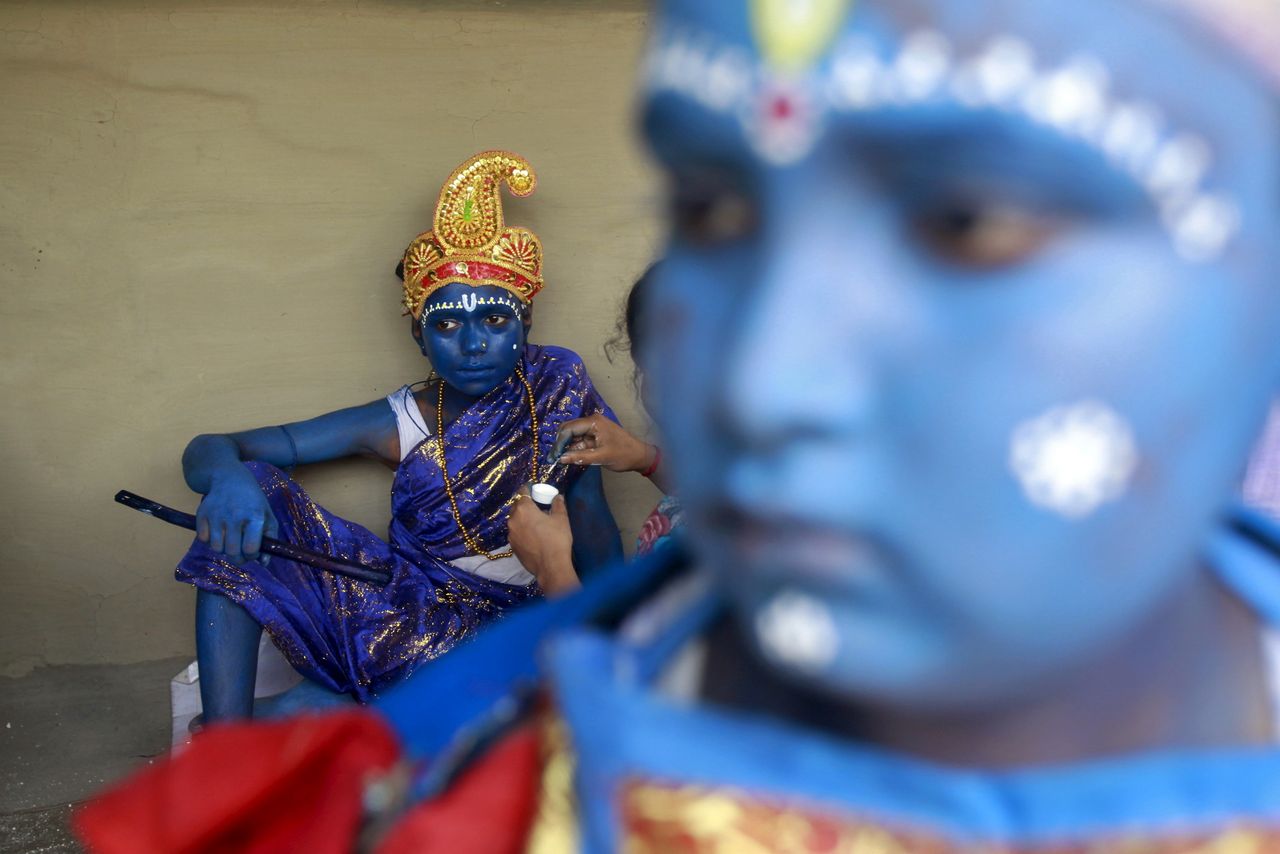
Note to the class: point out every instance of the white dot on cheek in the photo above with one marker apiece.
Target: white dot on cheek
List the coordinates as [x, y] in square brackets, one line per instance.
[1073, 459]
[797, 630]
[515, 346]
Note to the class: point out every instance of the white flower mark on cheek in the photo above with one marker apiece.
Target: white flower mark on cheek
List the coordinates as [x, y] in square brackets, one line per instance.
[798, 631]
[1073, 459]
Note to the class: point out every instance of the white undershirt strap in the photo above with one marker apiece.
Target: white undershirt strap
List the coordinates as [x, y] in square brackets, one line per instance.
[409, 422]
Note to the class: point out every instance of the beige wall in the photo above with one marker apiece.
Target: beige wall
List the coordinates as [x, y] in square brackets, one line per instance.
[200, 209]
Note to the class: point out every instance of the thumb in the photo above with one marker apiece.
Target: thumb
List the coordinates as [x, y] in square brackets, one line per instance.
[558, 507]
[572, 430]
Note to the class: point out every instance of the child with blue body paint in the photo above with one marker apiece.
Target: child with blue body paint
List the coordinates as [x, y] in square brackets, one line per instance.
[462, 444]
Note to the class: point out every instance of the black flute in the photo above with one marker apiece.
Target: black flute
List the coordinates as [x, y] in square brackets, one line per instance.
[349, 569]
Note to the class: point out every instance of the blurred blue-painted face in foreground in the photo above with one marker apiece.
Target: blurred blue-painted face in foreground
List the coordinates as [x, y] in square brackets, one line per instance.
[472, 335]
[967, 323]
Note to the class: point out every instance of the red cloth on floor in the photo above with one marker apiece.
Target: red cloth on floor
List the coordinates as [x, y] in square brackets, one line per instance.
[292, 785]
[488, 810]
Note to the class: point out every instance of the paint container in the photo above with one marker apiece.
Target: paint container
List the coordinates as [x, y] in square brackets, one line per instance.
[543, 494]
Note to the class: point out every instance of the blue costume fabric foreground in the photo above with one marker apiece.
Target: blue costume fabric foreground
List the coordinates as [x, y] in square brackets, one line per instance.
[657, 772]
[625, 764]
[355, 638]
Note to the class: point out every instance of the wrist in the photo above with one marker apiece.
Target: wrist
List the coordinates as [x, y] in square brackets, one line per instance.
[228, 473]
[560, 556]
[644, 460]
[654, 463]
[558, 575]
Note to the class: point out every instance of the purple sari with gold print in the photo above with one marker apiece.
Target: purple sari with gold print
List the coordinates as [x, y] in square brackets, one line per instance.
[355, 638]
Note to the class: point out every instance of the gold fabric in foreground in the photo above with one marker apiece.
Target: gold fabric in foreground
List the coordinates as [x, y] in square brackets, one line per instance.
[659, 818]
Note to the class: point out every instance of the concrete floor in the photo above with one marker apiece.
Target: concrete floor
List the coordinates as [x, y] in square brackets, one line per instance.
[65, 732]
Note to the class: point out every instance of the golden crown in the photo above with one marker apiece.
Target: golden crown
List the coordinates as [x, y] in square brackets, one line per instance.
[470, 241]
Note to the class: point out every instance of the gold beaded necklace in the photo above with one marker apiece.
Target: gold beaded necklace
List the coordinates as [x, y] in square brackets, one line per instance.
[467, 536]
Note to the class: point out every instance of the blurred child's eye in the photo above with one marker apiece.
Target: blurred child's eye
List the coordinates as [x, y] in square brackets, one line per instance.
[446, 325]
[497, 319]
[709, 216]
[983, 235]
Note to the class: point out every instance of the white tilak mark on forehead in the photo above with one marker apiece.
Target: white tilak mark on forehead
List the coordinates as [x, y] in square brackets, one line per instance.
[782, 116]
[1073, 459]
[469, 302]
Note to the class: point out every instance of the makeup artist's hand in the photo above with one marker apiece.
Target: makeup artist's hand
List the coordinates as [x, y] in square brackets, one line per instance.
[543, 542]
[599, 441]
[234, 516]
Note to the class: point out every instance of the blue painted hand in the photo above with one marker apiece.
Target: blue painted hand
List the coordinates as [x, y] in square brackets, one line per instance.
[234, 516]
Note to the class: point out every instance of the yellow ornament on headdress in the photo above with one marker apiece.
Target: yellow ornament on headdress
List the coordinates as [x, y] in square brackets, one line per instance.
[470, 241]
[793, 34]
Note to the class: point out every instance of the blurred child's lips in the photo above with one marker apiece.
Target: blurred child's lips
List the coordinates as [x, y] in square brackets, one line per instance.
[797, 545]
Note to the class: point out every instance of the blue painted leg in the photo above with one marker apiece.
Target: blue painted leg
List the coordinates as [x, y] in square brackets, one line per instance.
[227, 650]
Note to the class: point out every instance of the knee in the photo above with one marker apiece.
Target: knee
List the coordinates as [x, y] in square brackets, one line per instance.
[218, 618]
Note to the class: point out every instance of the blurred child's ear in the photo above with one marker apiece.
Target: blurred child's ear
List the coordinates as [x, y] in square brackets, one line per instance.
[527, 319]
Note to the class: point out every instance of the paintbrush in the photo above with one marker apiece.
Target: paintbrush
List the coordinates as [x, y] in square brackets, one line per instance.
[554, 456]
[325, 563]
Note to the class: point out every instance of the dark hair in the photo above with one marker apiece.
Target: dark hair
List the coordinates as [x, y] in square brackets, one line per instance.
[400, 271]
[627, 336]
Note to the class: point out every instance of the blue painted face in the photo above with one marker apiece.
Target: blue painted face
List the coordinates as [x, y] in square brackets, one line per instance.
[963, 334]
[473, 336]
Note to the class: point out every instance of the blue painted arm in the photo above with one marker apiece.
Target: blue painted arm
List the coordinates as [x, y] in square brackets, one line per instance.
[234, 515]
[596, 541]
